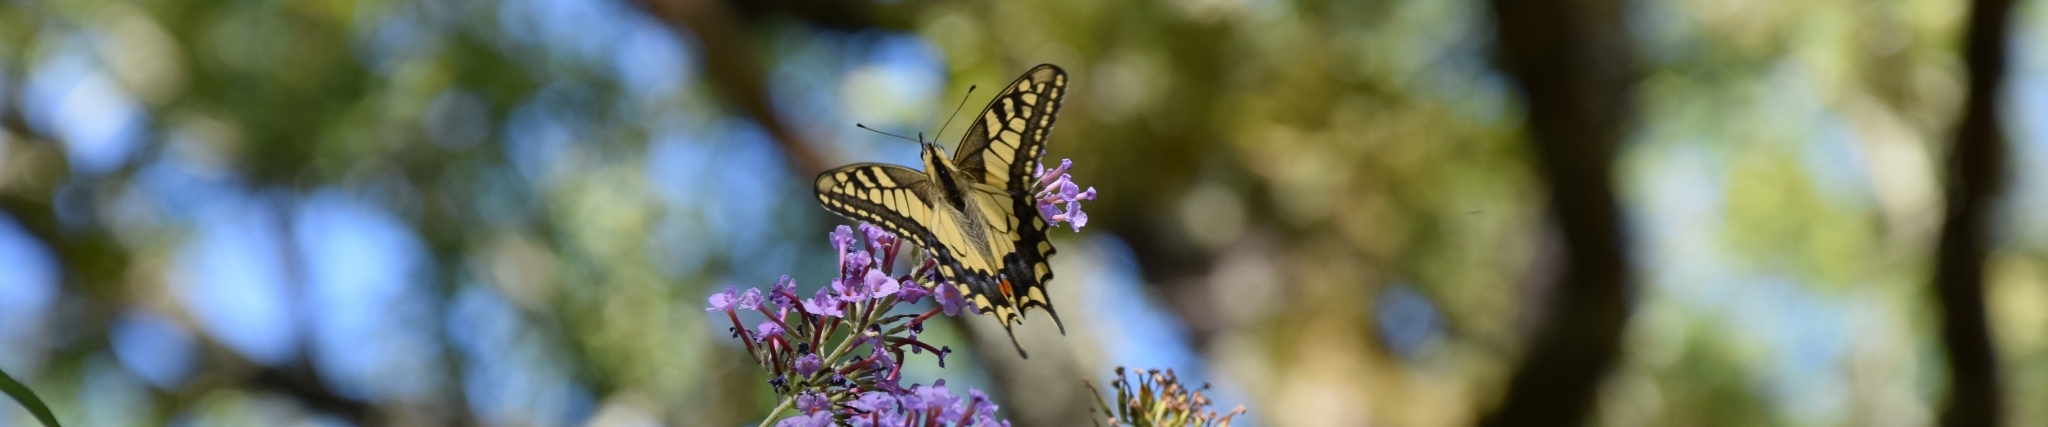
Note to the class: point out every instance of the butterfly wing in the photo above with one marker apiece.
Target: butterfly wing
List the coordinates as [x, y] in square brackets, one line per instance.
[1006, 140]
[1002, 149]
[909, 204]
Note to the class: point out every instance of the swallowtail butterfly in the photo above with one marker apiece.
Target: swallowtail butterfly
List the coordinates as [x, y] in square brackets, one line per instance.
[975, 213]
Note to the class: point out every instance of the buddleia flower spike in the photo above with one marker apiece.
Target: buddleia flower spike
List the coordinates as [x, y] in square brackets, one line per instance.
[836, 358]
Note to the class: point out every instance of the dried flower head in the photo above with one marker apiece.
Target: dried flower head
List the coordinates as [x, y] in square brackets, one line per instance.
[1158, 399]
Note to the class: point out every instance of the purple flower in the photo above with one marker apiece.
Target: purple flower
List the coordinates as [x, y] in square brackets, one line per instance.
[885, 419]
[783, 292]
[812, 402]
[881, 357]
[879, 285]
[877, 237]
[769, 329]
[842, 238]
[934, 397]
[815, 419]
[1045, 177]
[849, 290]
[921, 405]
[910, 292]
[859, 260]
[751, 299]
[722, 301]
[983, 408]
[1059, 199]
[950, 408]
[1050, 211]
[888, 242]
[823, 304]
[950, 299]
[1073, 196]
[1067, 188]
[807, 365]
[889, 384]
[873, 401]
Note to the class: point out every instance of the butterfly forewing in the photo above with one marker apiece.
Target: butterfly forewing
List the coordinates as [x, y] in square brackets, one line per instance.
[889, 196]
[1008, 137]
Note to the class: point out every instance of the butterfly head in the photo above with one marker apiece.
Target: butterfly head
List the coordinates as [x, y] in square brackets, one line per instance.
[933, 154]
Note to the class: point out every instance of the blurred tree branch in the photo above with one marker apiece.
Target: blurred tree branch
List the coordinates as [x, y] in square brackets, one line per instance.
[733, 66]
[1571, 59]
[1976, 166]
[300, 382]
[844, 15]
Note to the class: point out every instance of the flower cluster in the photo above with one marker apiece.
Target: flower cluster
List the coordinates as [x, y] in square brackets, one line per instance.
[921, 405]
[836, 355]
[1059, 199]
[1158, 399]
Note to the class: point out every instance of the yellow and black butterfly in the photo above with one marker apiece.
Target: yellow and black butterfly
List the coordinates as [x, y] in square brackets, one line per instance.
[974, 213]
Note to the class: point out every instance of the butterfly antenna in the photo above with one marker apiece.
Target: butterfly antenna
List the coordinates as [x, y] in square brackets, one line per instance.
[956, 113]
[905, 138]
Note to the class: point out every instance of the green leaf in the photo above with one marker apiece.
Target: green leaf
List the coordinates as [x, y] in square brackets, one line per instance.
[28, 399]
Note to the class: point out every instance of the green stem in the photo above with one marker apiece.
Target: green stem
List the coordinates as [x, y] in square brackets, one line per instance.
[786, 403]
[28, 399]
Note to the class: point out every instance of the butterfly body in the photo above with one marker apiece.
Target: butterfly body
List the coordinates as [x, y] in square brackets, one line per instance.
[975, 212]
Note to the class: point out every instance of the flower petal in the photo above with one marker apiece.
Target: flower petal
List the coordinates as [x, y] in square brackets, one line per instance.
[722, 301]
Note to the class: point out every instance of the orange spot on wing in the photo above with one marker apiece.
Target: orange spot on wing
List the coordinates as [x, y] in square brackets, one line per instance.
[1006, 290]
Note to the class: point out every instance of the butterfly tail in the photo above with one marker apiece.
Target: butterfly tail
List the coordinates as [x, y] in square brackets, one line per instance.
[1013, 341]
[1056, 319]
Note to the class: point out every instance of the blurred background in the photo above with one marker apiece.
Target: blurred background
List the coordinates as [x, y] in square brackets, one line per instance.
[509, 213]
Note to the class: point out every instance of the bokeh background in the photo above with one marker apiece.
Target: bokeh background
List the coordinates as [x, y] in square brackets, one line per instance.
[509, 213]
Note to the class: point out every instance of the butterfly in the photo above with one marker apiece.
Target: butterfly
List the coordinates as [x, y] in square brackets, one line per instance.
[975, 212]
